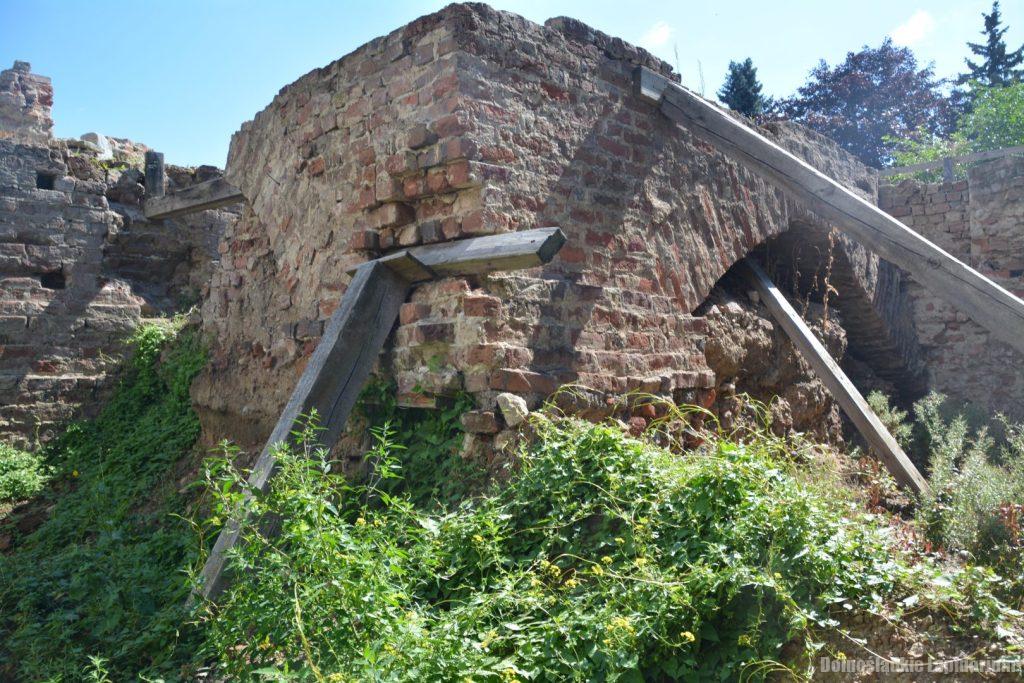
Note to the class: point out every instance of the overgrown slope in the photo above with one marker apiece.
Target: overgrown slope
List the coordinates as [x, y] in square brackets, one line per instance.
[601, 558]
[597, 557]
[105, 574]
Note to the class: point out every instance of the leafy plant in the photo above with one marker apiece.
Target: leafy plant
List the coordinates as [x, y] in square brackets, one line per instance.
[430, 439]
[104, 576]
[22, 474]
[995, 121]
[894, 419]
[603, 557]
[976, 490]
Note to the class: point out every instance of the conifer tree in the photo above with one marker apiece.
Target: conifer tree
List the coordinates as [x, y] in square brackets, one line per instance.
[997, 67]
[741, 91]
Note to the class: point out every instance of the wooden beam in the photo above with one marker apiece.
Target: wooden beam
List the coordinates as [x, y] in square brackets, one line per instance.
[355, 335]
[154, 174]
[835, 380]
[983, 300]
[476, 255]
[941, 163]
[330, 384]
[209, 195]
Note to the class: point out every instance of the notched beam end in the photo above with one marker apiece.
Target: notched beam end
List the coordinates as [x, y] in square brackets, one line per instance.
[649, 85]
[407, 267]
[479, 255]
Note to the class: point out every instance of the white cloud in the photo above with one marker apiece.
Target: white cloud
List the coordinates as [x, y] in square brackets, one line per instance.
[656, 36]
[913, 30]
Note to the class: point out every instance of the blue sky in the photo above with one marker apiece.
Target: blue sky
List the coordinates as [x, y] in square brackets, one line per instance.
[181, 76]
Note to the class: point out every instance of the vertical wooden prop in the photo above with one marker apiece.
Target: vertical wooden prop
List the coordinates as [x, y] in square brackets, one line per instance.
[155, 178]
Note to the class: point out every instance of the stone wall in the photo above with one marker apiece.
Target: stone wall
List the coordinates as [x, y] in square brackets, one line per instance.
[981, 222]
[468, 122]
[79, 268]
[25, 102]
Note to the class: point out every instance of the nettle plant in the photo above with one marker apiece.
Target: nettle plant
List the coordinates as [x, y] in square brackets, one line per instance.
[602, 557]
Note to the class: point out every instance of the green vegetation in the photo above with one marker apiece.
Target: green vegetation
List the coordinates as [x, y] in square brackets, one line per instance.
[105, 574]
[22, 474]
[999, 65]
[601, 557]
[976, 504]
[742, 91]
[597, 557]
[995, 121]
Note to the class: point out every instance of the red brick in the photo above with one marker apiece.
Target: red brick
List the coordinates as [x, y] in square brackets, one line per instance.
[480, 422]
[481, 306]
[420, 136]
[522, 381]
[364, 240]
[410, 313]
[391, 215]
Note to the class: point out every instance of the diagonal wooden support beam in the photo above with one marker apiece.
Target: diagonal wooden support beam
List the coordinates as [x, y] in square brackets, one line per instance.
[983, 300]
[212, 194]
[355, 335]
[834, 379]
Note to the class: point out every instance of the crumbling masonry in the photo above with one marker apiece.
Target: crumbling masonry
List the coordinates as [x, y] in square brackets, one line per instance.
[472, 121]
[79, 265]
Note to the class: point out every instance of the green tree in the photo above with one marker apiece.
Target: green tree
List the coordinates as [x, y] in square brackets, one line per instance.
[997, 67]
[872, 97]
[742, 91]
[995, 121]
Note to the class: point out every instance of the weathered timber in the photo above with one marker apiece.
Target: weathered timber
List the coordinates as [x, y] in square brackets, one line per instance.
[154, 174]
[355, 335]
[983, 300]
[949, 161]
[209, 195]
[507, 251]
[835, 380]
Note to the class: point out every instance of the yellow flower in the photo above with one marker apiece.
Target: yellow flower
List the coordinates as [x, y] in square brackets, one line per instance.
[687, 637]
[477, 538]
[640, 561]
[74, 473]
[620, 624]
[606, 559]
[597, 570]
[360, 522]
[620, 540]
[572, 583]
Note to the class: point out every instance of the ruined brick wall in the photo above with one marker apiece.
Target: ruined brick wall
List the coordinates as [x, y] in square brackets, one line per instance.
[981, 222]
[468, 122]
[79, 268]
